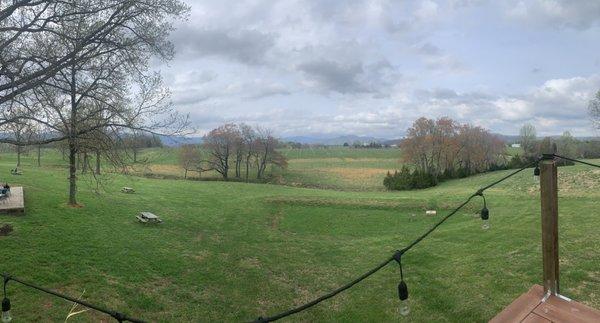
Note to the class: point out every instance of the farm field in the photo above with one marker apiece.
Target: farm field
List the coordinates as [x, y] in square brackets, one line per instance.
[339, 168]
[235, 251]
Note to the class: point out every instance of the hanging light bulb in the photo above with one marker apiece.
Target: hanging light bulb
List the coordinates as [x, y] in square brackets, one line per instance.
[485, 216]
[536, 174]
[6, 310]
[402, 288]
[403, 295]
[485, 213]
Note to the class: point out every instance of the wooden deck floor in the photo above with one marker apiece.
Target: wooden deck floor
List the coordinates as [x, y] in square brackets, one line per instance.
[14, 203]
[529, 308]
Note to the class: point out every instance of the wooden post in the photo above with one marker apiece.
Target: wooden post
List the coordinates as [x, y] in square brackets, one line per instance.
[549, 198]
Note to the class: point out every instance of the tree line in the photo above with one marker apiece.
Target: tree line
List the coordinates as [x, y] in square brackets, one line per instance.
[565, 145]
[443, 149]
[234, 149]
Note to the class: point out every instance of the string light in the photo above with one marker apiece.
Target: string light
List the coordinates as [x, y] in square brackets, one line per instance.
[485, 213]
[404, 308]
[402, 287]
[6, 317]
[6, 310]
[6, 304]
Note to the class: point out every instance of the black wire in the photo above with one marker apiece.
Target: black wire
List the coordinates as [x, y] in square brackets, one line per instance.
[5, 283]
[116, 315]
[397, 255]
[576, 161]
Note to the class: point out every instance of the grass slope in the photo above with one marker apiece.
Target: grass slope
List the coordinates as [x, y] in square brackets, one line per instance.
[234, 251]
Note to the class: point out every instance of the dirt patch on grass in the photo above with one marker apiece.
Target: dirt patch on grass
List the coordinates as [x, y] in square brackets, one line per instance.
[250, 263]
[276, 219]
[201, 256]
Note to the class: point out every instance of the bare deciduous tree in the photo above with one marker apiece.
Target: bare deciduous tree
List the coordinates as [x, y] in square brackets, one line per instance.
[528, 139]
[101, 82]
[240, 145]
[445, 146]
[189, 158]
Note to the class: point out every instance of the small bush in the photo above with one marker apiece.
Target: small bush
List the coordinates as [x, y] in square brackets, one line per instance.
[406, 179]
[5, 229]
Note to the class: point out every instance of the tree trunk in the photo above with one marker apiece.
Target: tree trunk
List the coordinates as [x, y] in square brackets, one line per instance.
[72, 173]
[39, 155]
[18, 156]
[85, 163]
[135, 155]
[185, 174]
[98, 162]
[247, 166]
[72, 144]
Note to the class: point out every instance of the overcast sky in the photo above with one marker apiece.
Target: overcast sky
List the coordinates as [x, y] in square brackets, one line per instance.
[373, 67]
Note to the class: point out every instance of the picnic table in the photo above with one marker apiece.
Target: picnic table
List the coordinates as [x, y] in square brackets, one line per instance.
[127, 190]
[147, 217]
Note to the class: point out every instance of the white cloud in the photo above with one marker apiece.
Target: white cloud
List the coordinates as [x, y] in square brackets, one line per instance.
[580, 14]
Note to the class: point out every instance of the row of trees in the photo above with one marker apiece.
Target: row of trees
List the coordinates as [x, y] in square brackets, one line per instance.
[78, 73]
[446, 146]
[237, 148]
[442, 149]
[566, 144]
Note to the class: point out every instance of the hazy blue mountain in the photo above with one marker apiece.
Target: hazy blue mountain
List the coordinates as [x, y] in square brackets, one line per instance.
[333, 139]
[176, 141]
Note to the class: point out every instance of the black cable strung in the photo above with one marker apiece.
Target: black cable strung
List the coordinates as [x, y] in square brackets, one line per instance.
[576, 161]
[6, 302]
[402, 287]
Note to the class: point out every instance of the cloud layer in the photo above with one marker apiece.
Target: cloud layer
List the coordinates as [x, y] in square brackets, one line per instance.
[370, 67]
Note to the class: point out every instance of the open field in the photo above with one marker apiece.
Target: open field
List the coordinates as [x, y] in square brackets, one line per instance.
[339, 168]
[234, 251]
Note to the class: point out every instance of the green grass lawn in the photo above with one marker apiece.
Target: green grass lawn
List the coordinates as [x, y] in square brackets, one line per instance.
[234, 251]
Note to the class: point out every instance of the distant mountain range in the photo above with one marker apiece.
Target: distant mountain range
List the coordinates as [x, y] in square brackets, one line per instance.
[330, 140]
[176, 141]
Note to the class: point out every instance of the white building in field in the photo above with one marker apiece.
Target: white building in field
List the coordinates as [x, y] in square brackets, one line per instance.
[516, 145]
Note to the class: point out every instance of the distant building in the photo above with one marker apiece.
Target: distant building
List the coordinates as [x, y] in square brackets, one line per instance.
[516, 145]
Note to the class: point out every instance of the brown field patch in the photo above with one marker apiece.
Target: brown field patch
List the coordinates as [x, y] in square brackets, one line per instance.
[171, 170]
[338, 159]
[354, 174]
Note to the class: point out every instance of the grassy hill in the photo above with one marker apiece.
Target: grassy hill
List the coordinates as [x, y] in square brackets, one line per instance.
[234, 251]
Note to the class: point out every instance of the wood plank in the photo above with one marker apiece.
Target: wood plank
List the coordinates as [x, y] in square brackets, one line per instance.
[14, 203]
[549, 201]
[520, 308]
[534, 318]
[557, 309]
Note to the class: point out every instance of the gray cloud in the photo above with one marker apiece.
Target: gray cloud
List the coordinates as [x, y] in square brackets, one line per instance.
[333, 76]
[245, 46]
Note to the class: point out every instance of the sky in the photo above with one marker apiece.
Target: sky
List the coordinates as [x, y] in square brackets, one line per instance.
[372, 67]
